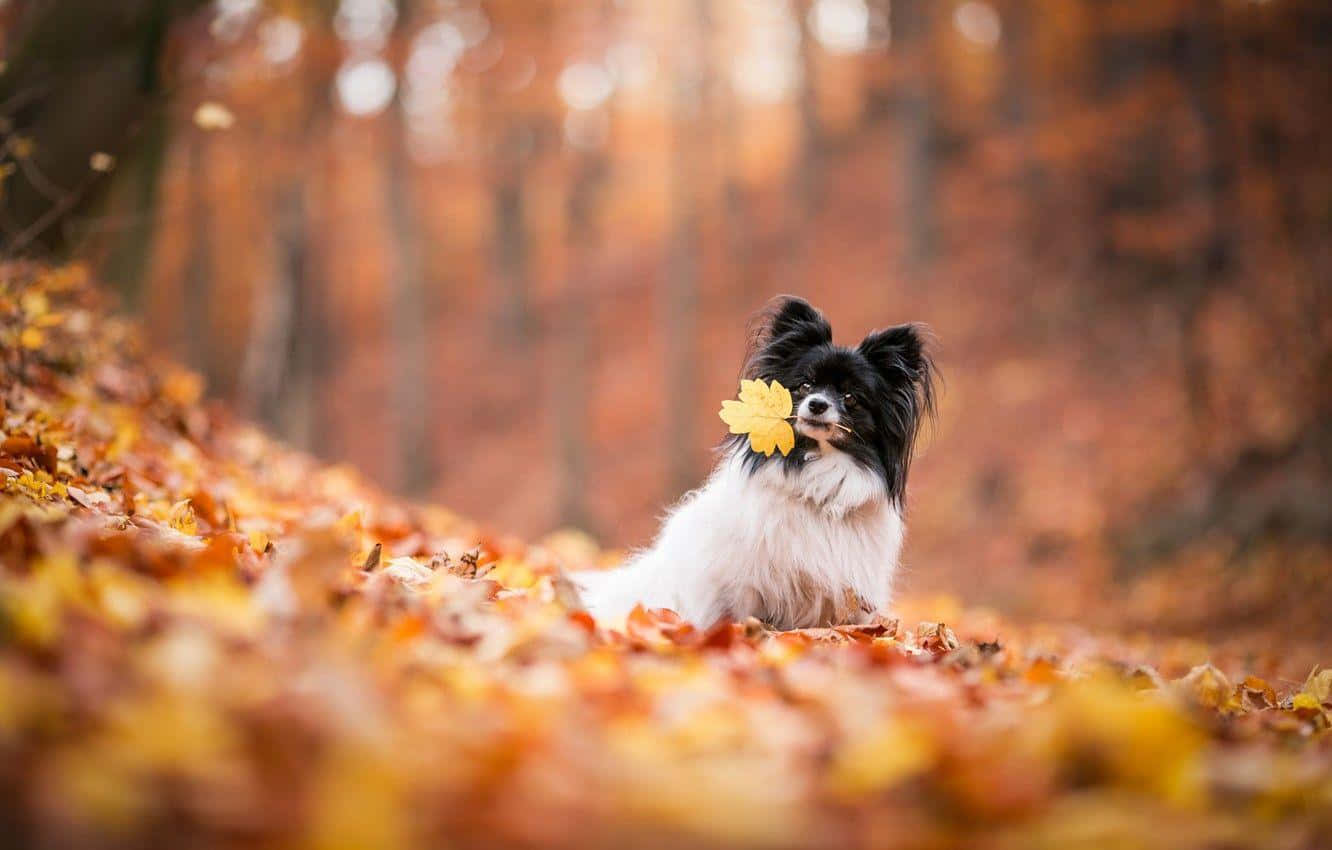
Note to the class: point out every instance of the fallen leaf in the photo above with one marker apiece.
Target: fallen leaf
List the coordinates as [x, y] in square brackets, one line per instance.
[1207, 686]
[1319, 686]
[372, 560]
[936, 638]
[181, 518]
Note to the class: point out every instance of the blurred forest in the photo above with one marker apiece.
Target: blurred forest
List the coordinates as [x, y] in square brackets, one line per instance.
[500, 254]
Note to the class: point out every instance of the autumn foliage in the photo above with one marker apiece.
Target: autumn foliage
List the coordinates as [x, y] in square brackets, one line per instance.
[209, 640]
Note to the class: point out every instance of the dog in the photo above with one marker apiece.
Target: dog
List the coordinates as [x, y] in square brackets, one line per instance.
[803, 540]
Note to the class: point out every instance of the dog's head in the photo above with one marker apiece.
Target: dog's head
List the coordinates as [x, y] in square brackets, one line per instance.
[868, 401]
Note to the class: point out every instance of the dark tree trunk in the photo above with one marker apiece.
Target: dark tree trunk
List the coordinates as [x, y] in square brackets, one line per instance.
[912, 26]
[80, 77]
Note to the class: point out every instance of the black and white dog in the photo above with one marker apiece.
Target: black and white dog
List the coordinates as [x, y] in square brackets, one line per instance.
[811, 538]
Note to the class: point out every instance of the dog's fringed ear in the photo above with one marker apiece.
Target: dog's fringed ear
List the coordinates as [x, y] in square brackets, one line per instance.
[786, 325]
[791, 315]
[901, 353]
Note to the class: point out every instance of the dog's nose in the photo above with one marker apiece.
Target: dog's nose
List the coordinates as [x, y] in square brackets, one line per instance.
[818, 406]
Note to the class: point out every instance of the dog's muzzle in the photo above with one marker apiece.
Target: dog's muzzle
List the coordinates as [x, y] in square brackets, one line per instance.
[816, 416]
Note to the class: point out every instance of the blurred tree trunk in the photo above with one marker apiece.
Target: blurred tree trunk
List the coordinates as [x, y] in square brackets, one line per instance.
[516, 144]
[682, 271]
[129, 220]
[1206, 262]
[290, 346]
[102, 57]
[913, 34]
[574, 355]
[411, 384]
[278, 378]
[198, 282]
[1019, 118]
[408, 306]
[879, 92]
[806, 181]
[736, 204]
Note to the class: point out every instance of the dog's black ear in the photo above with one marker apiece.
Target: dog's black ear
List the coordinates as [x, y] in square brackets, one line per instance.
[790, 319]
[900, 354]
[897, 351]
[780, 332]
[791, 315]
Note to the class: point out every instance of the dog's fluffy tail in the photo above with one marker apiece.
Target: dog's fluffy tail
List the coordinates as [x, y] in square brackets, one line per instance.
[609, 595]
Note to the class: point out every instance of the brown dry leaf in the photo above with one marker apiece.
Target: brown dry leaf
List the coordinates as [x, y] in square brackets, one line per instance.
[21, 446]
[372, 560]
[1255, 694]
[936, 638]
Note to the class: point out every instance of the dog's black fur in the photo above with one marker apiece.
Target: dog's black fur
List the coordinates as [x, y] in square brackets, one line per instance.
[884, 387]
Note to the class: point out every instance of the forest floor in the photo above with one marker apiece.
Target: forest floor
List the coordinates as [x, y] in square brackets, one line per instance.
[207, 639]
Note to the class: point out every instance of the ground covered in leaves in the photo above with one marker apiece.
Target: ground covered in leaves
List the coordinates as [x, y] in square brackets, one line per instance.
[209, 640]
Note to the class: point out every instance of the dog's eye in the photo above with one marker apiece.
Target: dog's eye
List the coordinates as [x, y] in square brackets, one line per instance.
[806, 387]
[850, 400]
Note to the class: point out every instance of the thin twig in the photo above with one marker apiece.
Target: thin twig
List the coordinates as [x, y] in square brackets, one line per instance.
[833, 424]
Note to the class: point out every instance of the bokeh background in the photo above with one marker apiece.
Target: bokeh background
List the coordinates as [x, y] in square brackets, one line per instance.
[500, 254]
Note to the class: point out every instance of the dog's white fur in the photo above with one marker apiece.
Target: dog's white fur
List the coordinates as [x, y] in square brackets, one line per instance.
[796, 549]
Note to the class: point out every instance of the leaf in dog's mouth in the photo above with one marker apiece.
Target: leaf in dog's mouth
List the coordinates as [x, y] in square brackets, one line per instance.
[762, 413]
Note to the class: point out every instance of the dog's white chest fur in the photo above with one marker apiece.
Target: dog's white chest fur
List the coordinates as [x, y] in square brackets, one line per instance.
[795, 549]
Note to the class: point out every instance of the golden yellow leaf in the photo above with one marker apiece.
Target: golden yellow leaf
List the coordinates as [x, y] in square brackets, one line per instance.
[887, 755]
[1319, 685]
[182, 518]
[258, 541]
[357, 801]
[183, 387]
[1208, 687]
[762, 413]
[35, 304]
[31, 338]
[348, 523]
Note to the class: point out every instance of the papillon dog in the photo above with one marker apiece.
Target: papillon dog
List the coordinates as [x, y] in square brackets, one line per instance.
[810, 538]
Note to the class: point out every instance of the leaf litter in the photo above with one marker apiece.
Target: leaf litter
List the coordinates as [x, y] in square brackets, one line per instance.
[208, 639]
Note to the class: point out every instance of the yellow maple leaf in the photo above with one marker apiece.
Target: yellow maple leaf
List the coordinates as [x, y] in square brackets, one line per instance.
[762, 413]
[31, 338]
[181, 518]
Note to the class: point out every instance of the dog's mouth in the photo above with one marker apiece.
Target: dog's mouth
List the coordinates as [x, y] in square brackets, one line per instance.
[819, 429]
